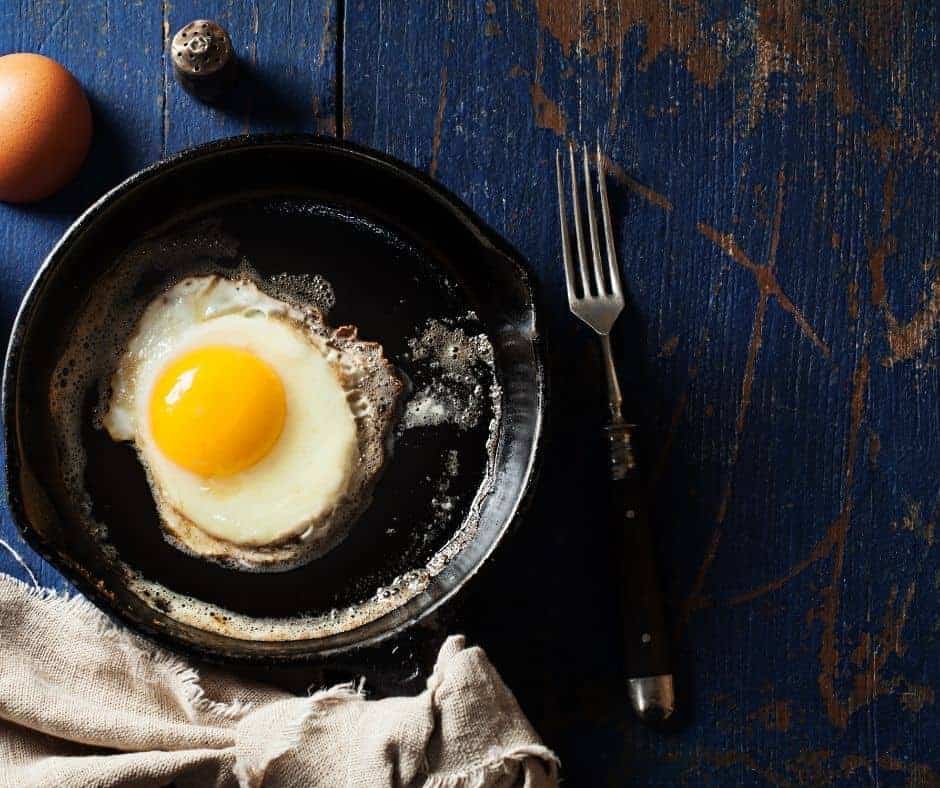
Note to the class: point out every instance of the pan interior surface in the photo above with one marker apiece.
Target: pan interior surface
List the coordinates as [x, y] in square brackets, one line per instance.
[404, 265]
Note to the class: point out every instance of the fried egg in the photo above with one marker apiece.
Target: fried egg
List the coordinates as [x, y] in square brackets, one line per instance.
[261, 430]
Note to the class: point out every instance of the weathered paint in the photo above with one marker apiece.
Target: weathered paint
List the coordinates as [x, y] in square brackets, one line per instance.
[776, 170]
[774, 177]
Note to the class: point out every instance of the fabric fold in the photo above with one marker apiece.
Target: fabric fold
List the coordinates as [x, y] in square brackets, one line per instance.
[84, 702]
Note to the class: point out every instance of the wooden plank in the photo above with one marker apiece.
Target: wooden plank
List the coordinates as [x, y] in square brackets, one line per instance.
[791, 410]
[287, 57]
[117, 51]
[121, 82]
[776, 185]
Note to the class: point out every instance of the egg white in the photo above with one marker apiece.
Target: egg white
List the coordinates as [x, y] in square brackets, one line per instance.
[292, 493]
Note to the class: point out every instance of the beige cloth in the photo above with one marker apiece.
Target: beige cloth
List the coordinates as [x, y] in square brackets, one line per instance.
[85, 703]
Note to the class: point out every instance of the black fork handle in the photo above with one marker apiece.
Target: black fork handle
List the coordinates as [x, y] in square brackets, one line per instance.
[646, 636]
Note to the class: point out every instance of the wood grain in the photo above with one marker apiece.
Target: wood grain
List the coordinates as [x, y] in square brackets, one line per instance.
[121, 89]
[117, 51]
[769, 160]
[774, 176]
[287, 58]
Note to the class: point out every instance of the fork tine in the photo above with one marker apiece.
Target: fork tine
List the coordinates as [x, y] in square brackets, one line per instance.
[578, 229]
[592, 224]
[565, 241]
[612, 264]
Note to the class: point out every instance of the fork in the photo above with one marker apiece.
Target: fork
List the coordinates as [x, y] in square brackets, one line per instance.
[595, 295]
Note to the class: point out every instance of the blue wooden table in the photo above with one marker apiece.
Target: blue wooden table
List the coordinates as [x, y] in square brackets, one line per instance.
[775, 174]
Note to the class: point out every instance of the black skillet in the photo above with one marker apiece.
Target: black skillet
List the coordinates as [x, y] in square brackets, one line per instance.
[398, 251]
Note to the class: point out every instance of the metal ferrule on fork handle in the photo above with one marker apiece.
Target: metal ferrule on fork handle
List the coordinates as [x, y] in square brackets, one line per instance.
[620, 448]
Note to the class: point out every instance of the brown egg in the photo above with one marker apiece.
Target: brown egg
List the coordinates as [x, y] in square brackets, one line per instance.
[45, 127]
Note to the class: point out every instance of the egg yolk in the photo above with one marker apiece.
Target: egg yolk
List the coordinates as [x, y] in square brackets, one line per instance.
[217, 410]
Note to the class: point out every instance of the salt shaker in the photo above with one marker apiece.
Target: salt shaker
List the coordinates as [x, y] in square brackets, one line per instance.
[203, 59]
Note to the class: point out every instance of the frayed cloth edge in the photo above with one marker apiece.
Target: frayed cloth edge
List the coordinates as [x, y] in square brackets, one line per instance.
[500, 761]
[21, 561]
[251, 775]
[181, 678]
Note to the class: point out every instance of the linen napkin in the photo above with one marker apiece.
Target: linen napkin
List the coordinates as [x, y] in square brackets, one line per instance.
[86, 703]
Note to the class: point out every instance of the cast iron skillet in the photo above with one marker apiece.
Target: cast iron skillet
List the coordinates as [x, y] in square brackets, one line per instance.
[398, 251]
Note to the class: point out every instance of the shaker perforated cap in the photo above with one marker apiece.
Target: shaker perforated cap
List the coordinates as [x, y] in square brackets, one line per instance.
[203, 58]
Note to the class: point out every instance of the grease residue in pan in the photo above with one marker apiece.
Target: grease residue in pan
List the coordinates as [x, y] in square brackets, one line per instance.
[424, 506]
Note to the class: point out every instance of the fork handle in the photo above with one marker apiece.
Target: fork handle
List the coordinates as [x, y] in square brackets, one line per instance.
[646, 638]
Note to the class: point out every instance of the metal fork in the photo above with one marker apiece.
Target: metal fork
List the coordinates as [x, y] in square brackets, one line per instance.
[595, 295]
[600, 301]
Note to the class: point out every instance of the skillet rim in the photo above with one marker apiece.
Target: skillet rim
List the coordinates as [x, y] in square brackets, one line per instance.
[84, 581]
